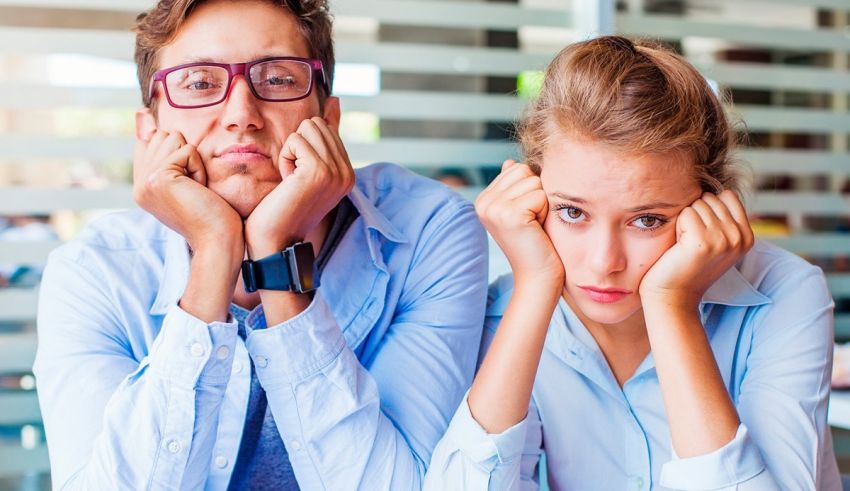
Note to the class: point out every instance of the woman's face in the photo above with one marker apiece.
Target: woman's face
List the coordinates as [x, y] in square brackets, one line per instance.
[611, 216]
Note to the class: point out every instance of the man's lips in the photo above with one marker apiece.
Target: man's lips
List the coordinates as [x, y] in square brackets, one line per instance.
[243, 153]
[604, 295]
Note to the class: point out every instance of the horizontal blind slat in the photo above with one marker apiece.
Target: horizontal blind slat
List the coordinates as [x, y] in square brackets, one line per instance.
[16, 460]
[17, 352]
[677, 27]
[18, 304]
[38, 201]
[18, 408]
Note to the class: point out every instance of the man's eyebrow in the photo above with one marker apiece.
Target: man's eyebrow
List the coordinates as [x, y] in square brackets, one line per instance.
[209, 59]
[197, 59]
[649, 206]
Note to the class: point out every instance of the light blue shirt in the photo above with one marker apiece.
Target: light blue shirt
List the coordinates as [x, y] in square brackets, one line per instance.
[770, 324]
[138, 394]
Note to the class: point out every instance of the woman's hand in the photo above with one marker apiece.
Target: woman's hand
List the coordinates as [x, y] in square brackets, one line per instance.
[513, 209]
[712, 234]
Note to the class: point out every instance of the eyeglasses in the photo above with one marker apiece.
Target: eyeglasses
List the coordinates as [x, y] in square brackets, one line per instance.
[279, 79]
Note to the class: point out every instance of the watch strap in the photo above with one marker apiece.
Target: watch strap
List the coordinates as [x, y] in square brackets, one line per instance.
[293, 269]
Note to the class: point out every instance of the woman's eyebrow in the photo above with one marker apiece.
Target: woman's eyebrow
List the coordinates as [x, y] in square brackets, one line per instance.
[649, 206]
[652, 206]
[564, 197]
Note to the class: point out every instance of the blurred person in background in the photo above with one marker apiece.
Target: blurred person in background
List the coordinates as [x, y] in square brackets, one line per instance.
[23, 228]
[644, 339]
[166, 362]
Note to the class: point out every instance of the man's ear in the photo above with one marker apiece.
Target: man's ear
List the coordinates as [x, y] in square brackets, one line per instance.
[145, 124]
[331, 112]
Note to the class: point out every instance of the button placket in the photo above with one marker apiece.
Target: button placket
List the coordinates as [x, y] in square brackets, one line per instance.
[174, 446]
[197, 350]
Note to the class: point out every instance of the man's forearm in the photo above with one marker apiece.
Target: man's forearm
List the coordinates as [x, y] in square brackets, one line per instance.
[212, 279]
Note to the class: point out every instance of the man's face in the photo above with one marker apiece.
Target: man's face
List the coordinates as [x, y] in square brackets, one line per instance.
[240, 139]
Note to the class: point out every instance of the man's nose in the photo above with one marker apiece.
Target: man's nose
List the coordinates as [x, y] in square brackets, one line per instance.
[241, 109]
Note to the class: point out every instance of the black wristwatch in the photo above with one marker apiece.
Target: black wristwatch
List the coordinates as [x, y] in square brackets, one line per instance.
[292, 269]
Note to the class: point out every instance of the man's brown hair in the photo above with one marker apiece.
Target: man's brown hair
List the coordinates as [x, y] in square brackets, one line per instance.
[158, 26]
[636, 97]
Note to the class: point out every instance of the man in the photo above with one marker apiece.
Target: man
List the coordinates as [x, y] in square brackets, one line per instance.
[157, 367]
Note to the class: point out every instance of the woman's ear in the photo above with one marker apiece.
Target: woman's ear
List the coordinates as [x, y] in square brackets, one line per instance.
[145, 124]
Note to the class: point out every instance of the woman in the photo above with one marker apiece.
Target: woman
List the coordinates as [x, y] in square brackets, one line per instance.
[645, 339]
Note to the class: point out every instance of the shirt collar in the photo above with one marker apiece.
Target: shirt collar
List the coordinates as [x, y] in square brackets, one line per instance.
[175, 274]
[734, 290]
[374, 219]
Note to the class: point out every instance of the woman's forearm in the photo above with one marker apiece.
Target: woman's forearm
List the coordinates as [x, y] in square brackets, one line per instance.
[700, 412]
[501, 392]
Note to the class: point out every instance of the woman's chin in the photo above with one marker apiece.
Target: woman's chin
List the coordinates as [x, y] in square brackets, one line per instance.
[607, 314]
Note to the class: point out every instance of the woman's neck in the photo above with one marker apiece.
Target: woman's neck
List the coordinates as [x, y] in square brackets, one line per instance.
[624, 344]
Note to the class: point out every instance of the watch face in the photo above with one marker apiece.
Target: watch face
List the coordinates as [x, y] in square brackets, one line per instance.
[302, 265]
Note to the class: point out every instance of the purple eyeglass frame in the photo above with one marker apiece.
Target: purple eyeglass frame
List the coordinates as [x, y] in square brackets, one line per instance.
[234, 69]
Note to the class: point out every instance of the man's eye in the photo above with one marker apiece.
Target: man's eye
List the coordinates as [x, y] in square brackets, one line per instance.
[280, 81]
[199, 86]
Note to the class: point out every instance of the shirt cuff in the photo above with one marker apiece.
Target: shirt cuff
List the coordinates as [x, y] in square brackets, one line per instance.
[188, 351]
[736, 462]
[297, 348]
[488, 450]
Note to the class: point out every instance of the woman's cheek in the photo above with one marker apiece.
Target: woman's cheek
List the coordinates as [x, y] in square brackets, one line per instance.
[649, 252]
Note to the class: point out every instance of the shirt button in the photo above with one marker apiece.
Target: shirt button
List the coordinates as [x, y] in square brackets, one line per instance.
[262, 361]
[237, 366]
[197, 350]
[296, 445]
[173, 446]
[221, 461]
[639, 482]
[222, 352]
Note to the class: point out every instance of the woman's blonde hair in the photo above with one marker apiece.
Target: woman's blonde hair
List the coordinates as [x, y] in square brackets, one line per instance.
[637, 97]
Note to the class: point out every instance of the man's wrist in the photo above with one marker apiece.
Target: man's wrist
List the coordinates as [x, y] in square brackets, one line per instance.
[209, 291]
[263, 248]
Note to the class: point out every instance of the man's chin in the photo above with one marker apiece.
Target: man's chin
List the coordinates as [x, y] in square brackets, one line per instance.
[244, 199]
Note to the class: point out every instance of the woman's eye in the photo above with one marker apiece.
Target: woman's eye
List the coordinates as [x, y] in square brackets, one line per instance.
[570, 214]
[648, 222]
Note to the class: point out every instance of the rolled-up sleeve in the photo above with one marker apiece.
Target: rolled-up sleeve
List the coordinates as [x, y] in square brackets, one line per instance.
[470, 458]
[735, 466]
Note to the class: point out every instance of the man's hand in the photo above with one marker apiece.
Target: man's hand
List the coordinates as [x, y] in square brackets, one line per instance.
[169, 181]
[318, 174]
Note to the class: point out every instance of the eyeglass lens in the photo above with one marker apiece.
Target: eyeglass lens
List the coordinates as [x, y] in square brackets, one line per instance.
[277, 80]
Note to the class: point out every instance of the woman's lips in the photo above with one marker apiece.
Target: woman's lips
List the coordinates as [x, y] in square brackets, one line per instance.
[604, 295]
